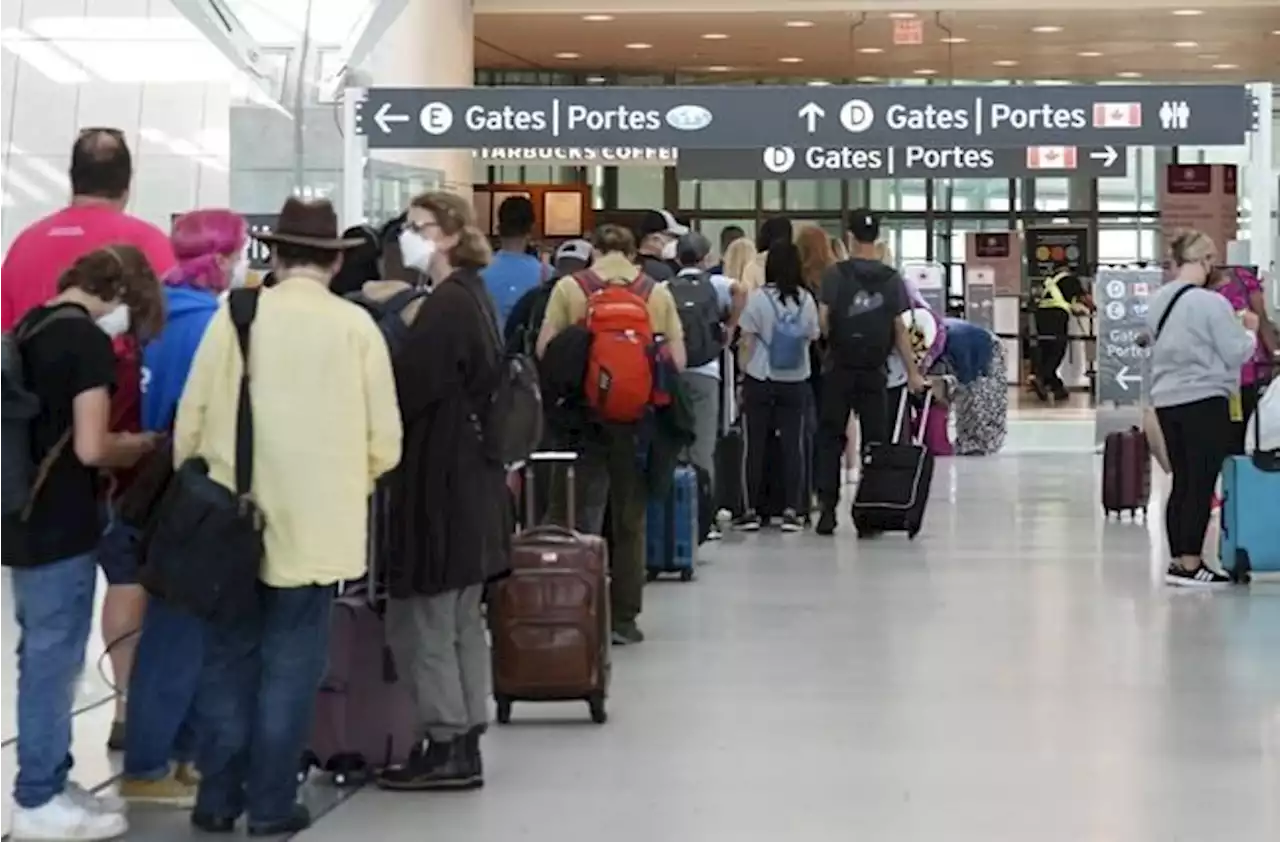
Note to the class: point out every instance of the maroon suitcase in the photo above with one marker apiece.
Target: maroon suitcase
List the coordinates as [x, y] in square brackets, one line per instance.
[549, 619]
[1126, 473]
[365, 717]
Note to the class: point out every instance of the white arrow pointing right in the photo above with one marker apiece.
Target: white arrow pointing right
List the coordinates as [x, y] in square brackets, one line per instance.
[384, 118]
[1107, 155]
[811, 113]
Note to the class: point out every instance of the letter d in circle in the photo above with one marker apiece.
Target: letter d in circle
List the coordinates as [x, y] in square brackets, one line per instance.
[779, 159]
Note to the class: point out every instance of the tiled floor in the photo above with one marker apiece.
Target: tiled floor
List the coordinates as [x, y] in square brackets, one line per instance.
[1016, 674]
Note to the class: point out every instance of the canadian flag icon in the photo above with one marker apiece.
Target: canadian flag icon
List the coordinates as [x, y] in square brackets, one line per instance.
[1051, 157]
[1117, 115]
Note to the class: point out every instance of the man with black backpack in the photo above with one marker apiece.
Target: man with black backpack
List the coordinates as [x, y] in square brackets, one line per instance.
[708, 304]
[859, 308]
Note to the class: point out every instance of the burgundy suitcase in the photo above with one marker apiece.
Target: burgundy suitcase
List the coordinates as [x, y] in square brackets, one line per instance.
[1126, 473]
[365, 717]
[549, 619]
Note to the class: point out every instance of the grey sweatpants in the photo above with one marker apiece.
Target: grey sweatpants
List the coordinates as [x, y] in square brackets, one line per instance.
[440, 646]
[703, 392]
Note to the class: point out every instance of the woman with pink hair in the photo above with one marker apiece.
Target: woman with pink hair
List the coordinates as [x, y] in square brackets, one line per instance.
[160, 739]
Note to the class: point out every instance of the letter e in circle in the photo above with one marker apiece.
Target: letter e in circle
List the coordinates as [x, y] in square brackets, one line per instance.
[779, 159]
[857, 115]
[436, 118]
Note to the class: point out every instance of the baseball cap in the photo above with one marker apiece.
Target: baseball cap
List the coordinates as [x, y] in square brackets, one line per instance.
[692, 247]
[659, 222]
[574, 250]
[864, 225]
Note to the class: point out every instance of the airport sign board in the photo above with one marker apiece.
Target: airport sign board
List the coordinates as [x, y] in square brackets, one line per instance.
[841, 162]
[1121, 296]
[757, 117]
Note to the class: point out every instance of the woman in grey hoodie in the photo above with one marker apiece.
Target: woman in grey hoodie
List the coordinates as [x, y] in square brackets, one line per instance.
[1198, 348]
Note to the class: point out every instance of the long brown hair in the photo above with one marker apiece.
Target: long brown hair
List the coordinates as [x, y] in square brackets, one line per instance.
[455, 215]
[121, 273]
[816, 255]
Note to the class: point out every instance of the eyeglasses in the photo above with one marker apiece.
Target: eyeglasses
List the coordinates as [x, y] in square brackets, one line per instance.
[419, 227]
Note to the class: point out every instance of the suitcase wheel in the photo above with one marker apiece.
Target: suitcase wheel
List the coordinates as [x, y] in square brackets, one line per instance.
[598, 713]
[504, 709]
[686, 575]
[1241, 573]
[309, 761]
[348, 770]
[652, 574]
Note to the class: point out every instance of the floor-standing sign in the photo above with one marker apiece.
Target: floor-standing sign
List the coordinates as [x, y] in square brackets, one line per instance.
[1122, 296]
[980, 296]
[1000, 252]
[929, 279]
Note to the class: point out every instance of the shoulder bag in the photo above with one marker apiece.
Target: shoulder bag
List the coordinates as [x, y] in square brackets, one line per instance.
[204, 546]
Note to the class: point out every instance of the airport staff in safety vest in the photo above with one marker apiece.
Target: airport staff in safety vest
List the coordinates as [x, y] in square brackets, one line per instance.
[1062, 297]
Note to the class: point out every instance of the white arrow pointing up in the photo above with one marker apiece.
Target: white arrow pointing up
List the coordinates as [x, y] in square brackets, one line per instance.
[1107, 155]
[384, 118]
[811, 113]
[1124, 378]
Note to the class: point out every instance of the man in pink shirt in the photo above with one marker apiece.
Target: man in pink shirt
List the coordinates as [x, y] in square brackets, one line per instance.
[101, 172]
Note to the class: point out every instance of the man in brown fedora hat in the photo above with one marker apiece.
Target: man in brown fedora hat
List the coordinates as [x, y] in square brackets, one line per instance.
[326, 425]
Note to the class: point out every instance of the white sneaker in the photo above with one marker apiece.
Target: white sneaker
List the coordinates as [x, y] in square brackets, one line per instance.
[64, 819]
[102, 802]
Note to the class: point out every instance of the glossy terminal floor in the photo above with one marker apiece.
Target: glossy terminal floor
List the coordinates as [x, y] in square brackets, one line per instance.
[1017, 674]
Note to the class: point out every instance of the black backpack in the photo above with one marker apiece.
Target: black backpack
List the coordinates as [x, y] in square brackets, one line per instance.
[698, 305]
[860, 323]
[388, 313]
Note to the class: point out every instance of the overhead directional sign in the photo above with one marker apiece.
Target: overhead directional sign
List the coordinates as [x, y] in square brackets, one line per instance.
[840, 162]
[756, 117]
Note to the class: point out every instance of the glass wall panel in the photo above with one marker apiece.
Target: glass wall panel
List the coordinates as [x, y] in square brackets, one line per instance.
[726, 195]
[771, 195]
[813, 195]
[1052, 194]
[641, 187]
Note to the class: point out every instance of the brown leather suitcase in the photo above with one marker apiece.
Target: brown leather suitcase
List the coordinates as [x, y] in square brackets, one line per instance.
[550, 618]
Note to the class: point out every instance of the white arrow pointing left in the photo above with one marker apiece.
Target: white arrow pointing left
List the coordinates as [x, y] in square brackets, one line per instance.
[384, 118]
[1124, 378]
[1107, 155]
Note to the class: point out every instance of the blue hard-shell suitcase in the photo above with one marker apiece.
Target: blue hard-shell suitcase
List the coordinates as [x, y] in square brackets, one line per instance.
[1250, 527]
[671, 528]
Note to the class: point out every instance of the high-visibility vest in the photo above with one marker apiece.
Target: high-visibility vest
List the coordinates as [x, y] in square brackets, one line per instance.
[1051, 297]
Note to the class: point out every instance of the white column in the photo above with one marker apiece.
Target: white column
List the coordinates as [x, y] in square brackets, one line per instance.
[1263, 174]
[429, 46]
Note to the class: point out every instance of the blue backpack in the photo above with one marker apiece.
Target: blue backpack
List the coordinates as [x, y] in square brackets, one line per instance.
[789, 344]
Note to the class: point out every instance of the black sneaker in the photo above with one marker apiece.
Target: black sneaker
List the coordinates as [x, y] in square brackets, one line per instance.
[1202, 577]
[297, 821]
[749, 522]
[826, 521]
[791, 521]
[471, 754]
[443, 765]
[626, 634]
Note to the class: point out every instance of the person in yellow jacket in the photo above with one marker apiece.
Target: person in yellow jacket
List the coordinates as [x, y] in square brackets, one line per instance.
[1062, 297]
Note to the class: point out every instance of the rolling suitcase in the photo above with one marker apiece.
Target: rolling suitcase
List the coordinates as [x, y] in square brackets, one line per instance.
[731, 482]
[549, 620]
[1126, 473]
[672, 528]
[894, 489]
[1250, 541]
[365, 717]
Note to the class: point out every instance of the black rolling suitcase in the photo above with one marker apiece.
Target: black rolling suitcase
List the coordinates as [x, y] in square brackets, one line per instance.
[896, 476]
[730, 486]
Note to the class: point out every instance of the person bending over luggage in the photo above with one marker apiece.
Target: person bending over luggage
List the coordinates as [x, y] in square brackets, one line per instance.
[450, 519]
[166, 674]
[1197, 348]
[63, 375]
[608, 472]
[861, 301]
[708, 307]
[778, 325]
[1063, 296]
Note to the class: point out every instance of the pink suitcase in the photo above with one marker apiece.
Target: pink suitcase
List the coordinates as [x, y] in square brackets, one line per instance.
[365, 718]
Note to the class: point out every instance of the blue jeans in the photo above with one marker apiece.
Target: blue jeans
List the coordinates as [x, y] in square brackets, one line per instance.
[162, 691]
[54, 608]
[256, 701]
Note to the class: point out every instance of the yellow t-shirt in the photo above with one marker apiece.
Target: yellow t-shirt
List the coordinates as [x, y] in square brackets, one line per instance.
[568, 303]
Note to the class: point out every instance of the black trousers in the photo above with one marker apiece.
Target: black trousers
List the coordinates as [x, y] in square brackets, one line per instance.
[1052, 351]
[770, 405]
[845, 391]
[1198, 436]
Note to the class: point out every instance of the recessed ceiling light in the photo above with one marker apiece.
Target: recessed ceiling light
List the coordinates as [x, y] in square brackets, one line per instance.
[868, 79]
[1226, 67]
[597, 18]
[799, 24]
[1275, 32]
[719, 68]
[639, 45]
[715, 36]
[595, 80]
[1005, 62]
[1187, 13]
[954, 40]
[1129, 74]
[568, 55]
[1207, 56]
[926, 71]
[791, 59]
[902, 15]
[871, 51]
[1090, 54]
[1046, 30]
[1185, 45]
[818, 83]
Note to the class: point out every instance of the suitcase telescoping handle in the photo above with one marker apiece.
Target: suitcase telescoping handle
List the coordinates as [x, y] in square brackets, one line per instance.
[918, 438]
[565, 457]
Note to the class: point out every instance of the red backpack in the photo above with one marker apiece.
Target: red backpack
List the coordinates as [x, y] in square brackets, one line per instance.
[619, 383]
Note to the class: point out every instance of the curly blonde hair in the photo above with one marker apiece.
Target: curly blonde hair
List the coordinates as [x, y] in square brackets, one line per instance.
[455, 215]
